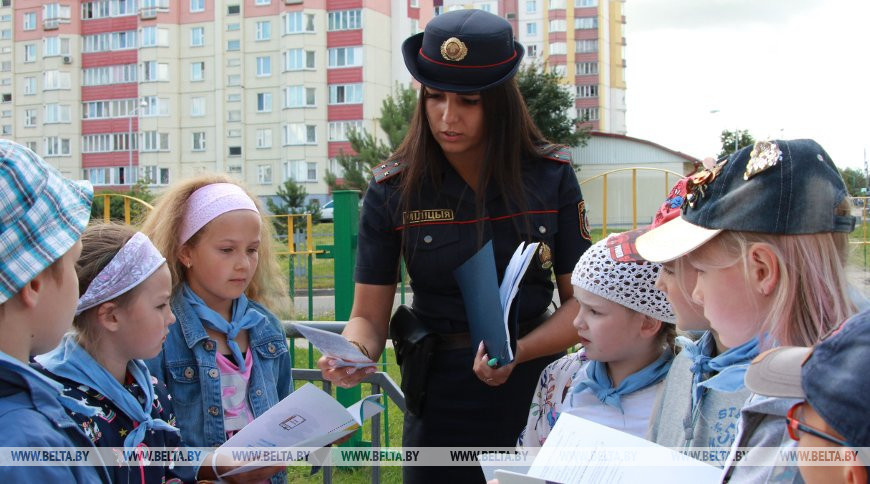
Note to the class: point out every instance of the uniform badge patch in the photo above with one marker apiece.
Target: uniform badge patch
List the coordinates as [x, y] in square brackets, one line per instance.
[422, 216]
[453, 49]
[545, 256]
[584, 221]
[765, 154]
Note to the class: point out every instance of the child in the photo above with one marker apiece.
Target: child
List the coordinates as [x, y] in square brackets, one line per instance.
[627, 341]
[767, 231]
[42, 217]
[830, 382]
[123, 316]
[226, 360]
[703, 393]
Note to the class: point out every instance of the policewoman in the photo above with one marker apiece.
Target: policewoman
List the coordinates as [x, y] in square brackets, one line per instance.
[472, 168]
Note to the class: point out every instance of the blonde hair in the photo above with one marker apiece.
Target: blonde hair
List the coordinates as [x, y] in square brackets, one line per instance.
[812, 295]
[163, 224]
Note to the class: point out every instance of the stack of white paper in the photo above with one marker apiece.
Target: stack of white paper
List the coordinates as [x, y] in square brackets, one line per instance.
[513, 275]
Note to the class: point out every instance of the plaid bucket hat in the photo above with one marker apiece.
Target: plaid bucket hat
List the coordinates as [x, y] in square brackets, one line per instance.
[42, 215]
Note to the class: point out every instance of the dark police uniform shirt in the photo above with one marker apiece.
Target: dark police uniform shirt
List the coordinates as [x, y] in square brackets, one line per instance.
[442, 231]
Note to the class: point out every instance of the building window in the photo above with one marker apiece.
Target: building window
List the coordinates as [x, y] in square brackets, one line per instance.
[155, 175]
[585, 3]
[154, 37]
[53, 46]
[197, 106]
[557, 25]
[234, 116]
[116, 108]
[103, 76]
[585, 23]
[345, 94]
[61, 80]
[29, 21]
[197, 37]
[56, 146]
[197, 71]
[32, 146]
[558, 48]
[298, 23]
[154, 106]
[234, 98]
[345, 57]
[264, 138]
[298, 97]
[300, 171]
[344, 20]
[264, 102]
[233, 9]
[298, 59]
[153, 71]
[234, 45]
[587, 46]
[29, 118]
[55, 113]
[532, 50]
[234, 80]
[199, 141]
[264, 30]
[264, 66]
[110, 41]
[557, 4]
[55, 11]
[197, 6]
[338, 130]
[233, 27]
[587, 90]
[531, 6]
[234, 133]
[235, 151]
[263, 2]
[29, 52]
[589, 114]
[559, 69]
[300, 134]
[155, 141]
[587, 68]
[264, 174]
[532, 28]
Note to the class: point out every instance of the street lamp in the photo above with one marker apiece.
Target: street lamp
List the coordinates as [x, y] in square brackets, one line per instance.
[134, 112]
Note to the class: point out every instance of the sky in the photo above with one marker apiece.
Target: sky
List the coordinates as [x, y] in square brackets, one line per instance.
[778, 68]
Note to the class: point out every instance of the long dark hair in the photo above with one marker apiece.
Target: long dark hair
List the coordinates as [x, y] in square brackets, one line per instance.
[511, 139]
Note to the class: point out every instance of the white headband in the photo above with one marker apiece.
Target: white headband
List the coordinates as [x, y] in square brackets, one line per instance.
[134, 263]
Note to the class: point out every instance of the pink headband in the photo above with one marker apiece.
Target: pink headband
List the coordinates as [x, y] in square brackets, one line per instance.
[210, 202]
[134, 263]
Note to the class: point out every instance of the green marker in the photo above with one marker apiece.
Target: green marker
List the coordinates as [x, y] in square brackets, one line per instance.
[492, 363]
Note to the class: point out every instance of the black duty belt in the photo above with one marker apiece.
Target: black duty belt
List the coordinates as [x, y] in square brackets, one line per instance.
[458, 341]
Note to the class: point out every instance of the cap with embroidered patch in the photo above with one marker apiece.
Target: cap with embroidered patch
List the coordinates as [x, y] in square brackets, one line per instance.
[786, 187]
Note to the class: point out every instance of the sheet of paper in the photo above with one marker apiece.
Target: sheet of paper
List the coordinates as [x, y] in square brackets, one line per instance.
[334, 345]
[515, 477]
[490, 466]
[513, 275]
[591, 448]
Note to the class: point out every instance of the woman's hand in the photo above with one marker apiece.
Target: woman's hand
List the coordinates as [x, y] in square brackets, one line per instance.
[343, 376]
[492, 376]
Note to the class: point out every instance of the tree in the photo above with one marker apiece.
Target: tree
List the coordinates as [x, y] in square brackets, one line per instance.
[856, 182]
[727, 138]
[396, 113]
[549, 104]
[291, 200]
[116, 204]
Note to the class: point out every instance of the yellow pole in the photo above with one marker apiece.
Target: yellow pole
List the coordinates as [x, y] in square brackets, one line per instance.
[106, 213]
[633, 198]
[126, 210]
[604, 210]
[290, 243]
[309, 234]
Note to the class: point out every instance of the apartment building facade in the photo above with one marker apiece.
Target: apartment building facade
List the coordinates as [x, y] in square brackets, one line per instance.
[265, 90]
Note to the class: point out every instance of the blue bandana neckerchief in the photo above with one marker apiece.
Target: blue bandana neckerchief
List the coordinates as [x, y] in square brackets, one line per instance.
[68, 403]
[597, 380]
[243, 318]
[730, 366]
[69, 360]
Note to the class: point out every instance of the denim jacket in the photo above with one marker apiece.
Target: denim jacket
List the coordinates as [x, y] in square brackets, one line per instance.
[31, 416]
[188, 366]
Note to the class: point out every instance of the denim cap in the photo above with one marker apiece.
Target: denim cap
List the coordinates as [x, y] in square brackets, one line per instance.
[832, 376]
[42, 216]
[787, 187]
[464, 50]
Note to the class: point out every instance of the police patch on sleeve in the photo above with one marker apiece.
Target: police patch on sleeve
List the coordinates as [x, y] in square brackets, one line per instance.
[584, 221]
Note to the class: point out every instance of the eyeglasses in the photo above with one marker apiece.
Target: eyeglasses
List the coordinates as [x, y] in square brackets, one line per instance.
[795, 427]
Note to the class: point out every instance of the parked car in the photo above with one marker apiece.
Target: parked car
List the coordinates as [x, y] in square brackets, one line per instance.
[326, 211]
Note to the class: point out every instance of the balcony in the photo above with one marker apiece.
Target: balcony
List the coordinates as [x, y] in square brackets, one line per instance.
[50, 24]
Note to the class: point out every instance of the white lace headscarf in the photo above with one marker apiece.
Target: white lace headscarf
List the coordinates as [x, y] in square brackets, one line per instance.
[629, 284]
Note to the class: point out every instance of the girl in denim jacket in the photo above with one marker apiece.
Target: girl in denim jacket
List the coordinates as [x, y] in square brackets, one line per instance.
[225, 362]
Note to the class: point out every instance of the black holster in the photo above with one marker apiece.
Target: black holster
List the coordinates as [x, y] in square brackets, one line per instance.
[415, 346]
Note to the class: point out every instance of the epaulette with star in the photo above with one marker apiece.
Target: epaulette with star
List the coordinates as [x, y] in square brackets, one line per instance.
[385, 171]
[558, 153]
